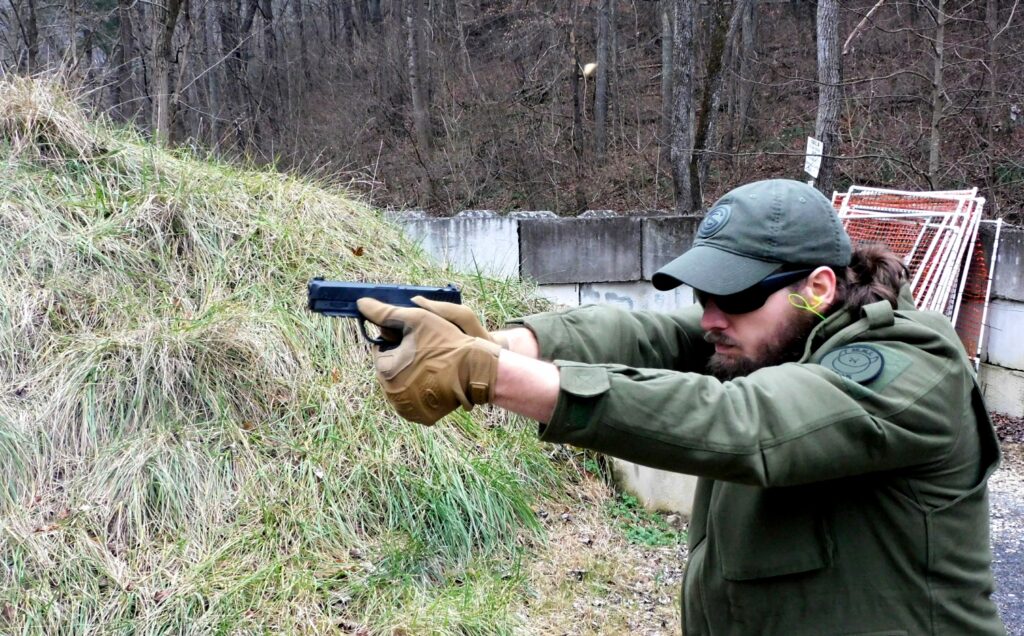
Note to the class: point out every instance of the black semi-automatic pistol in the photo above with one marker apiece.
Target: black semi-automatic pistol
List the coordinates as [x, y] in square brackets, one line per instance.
[338, 298]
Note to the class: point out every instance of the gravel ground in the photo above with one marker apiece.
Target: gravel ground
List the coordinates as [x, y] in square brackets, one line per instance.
[1006, 494]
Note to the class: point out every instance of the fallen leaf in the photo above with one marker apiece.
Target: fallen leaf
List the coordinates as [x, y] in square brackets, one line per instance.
[357, 251]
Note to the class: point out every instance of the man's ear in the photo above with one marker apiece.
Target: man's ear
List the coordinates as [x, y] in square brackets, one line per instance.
[821, 288]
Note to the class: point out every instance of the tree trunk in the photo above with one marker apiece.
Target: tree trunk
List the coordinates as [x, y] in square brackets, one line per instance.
[707, 132]
[215, 74]
[31, 36]
[300, 21]
[72, 53]
[467, 60]
[166, 18]
[935, 142]
[121, 93]
[347, 28]
[991, 117]
[830, 76]
[418, 89]
[580, 199]
[682, 98]
[748, 52]
[601, 85]
[716, 46]
[665, 132]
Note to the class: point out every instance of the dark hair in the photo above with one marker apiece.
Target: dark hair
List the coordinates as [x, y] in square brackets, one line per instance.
[875, 273]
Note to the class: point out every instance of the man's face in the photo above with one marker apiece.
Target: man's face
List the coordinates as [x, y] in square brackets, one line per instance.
[773, 334]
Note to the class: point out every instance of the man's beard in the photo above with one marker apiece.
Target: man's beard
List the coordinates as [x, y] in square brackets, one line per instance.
[787, 346]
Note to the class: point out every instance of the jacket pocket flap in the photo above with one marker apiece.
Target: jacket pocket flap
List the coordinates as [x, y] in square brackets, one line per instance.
[769, 532]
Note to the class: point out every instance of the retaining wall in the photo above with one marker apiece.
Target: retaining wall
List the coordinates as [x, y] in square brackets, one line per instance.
[603, 257]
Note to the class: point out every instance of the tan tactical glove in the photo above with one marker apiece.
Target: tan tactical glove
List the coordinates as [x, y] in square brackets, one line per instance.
[435, 368]
[462, 317]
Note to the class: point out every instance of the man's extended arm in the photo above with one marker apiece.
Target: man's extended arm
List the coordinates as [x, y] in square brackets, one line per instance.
[525, 385]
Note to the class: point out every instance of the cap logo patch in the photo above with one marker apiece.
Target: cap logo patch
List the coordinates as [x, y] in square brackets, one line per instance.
[715, 220]
[860, 363]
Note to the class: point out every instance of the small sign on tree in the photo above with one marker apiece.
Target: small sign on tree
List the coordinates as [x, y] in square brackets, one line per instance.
[812, 162]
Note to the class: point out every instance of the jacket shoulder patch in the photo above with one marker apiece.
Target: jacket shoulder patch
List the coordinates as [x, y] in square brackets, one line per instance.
[860, 363]
[866, 365]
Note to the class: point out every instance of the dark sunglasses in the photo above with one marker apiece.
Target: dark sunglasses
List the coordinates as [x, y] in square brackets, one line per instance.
[754, 296]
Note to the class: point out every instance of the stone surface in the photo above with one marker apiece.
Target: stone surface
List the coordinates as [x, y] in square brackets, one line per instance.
[562, 295]
[656, 489]
[1004, 344]
[532, 214]
[635, 296]
[580, 250]
[664, 239]
[1009, 275]
[1003, 389]
[482, 243]
[599, 214]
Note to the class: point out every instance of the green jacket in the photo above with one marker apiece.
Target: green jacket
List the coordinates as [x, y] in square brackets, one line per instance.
[840, 494]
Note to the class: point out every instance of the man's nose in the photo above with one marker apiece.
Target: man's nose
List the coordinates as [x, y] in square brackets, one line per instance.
[713, 317]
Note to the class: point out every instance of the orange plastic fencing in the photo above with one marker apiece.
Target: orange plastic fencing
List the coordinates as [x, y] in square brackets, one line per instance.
[936, 235]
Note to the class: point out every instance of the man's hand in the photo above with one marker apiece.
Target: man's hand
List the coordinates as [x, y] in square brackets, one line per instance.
[436, 367]
[462, 317]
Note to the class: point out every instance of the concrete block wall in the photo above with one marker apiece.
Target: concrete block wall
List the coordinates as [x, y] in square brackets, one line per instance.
[604, 257]
[1002, 372]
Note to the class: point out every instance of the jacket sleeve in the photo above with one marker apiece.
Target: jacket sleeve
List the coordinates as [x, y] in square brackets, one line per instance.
[603, 334]
[783, 425]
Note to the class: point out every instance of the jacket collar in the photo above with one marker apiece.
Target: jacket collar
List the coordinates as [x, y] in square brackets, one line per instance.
[844, 318]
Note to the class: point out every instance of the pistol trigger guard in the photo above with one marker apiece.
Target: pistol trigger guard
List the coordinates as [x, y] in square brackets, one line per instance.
[380, 342]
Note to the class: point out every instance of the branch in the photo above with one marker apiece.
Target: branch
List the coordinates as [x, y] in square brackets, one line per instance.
[860, 26]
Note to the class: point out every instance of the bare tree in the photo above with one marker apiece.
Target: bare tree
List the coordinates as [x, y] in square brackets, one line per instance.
[682, 98]
[722, 40]
[29, 27]
[418, 89]
[935, 141]
[667, 13]
[601, 86]
[166, 19]
[830, 76]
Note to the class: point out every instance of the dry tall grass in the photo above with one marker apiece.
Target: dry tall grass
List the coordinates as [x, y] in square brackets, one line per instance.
[183, 448]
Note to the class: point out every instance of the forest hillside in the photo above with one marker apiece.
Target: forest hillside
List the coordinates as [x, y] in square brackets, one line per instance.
[185, 449]
[557, 105]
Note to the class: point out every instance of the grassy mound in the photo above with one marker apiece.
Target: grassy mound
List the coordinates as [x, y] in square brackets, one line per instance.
[185, 449]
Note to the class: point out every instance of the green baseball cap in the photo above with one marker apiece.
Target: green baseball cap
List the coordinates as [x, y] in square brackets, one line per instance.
[754, 231]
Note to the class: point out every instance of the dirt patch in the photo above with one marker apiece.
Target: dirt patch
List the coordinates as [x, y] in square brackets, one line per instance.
[1009, 429]
[590, 580]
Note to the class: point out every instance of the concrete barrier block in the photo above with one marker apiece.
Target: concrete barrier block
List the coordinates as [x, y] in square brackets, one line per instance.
[1003, 344]
[562, 295]
[484, 243]
[1003, 389]
[1009, 273]
[638, 296]
[580, 250]
[666, 238]
[430, 233]
[656, 489]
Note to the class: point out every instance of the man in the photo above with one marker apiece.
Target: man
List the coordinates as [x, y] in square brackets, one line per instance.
[842, 443]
